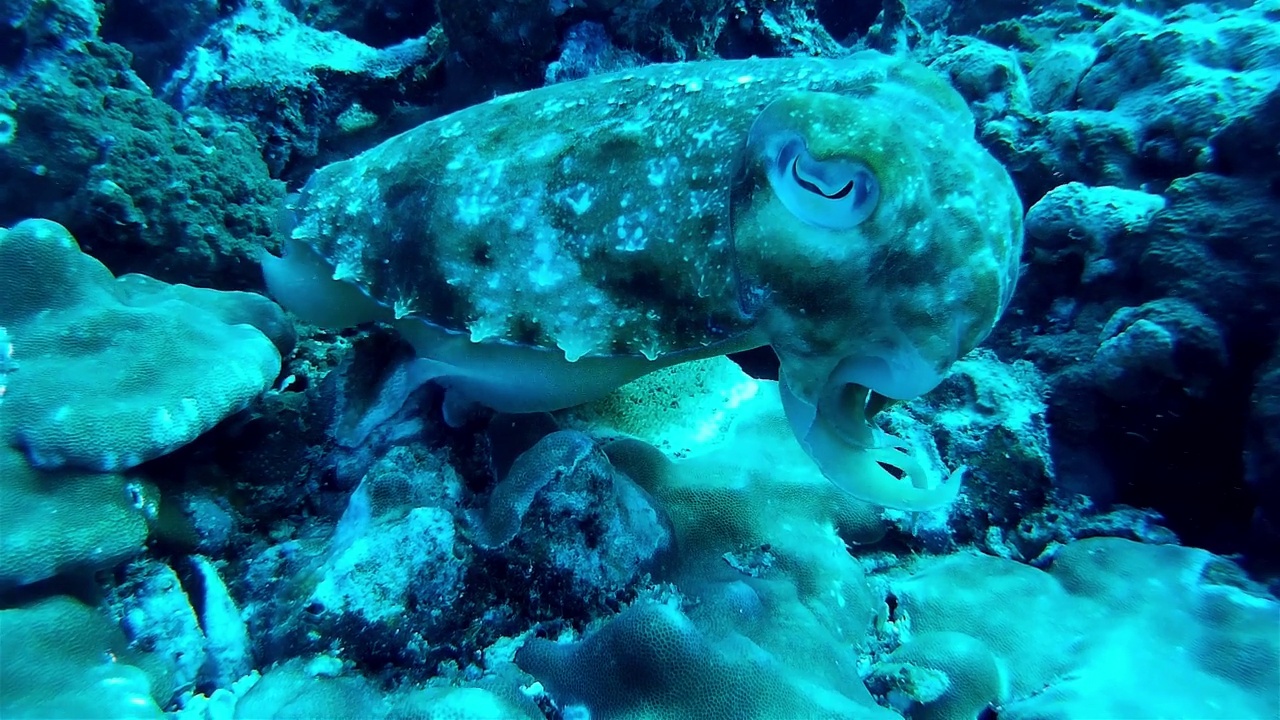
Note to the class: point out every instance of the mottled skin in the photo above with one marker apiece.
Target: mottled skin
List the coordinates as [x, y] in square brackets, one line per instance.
[838, 210]
[588, 216]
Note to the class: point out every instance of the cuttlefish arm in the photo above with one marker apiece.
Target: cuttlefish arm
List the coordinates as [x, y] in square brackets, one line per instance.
[862, 459]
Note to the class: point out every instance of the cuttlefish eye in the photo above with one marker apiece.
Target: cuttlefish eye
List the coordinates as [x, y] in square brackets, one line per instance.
[831, 194]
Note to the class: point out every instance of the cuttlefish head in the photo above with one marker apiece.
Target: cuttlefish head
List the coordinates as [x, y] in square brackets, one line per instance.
[877, 242]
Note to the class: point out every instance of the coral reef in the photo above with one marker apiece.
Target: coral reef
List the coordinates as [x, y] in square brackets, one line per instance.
[212, 509]
[62, 658]
[142, 187]
[290, 82]
[1082, 639]
[113, 372]
[106, 374]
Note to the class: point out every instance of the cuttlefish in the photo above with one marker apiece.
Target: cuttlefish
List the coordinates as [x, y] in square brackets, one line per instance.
[543, 248]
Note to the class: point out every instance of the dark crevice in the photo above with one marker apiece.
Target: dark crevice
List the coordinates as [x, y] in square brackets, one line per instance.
[846, 20]
[760, 363]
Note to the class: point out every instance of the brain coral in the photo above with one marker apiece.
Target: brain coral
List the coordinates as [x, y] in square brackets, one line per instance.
[653, 662]
[97, 375]
[1113, 629]
[111, 372]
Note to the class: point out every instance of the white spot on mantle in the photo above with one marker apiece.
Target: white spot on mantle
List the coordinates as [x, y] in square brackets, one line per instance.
[582, 202]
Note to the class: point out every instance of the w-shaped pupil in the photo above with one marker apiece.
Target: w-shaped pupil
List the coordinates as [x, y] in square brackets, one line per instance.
[811, 187]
